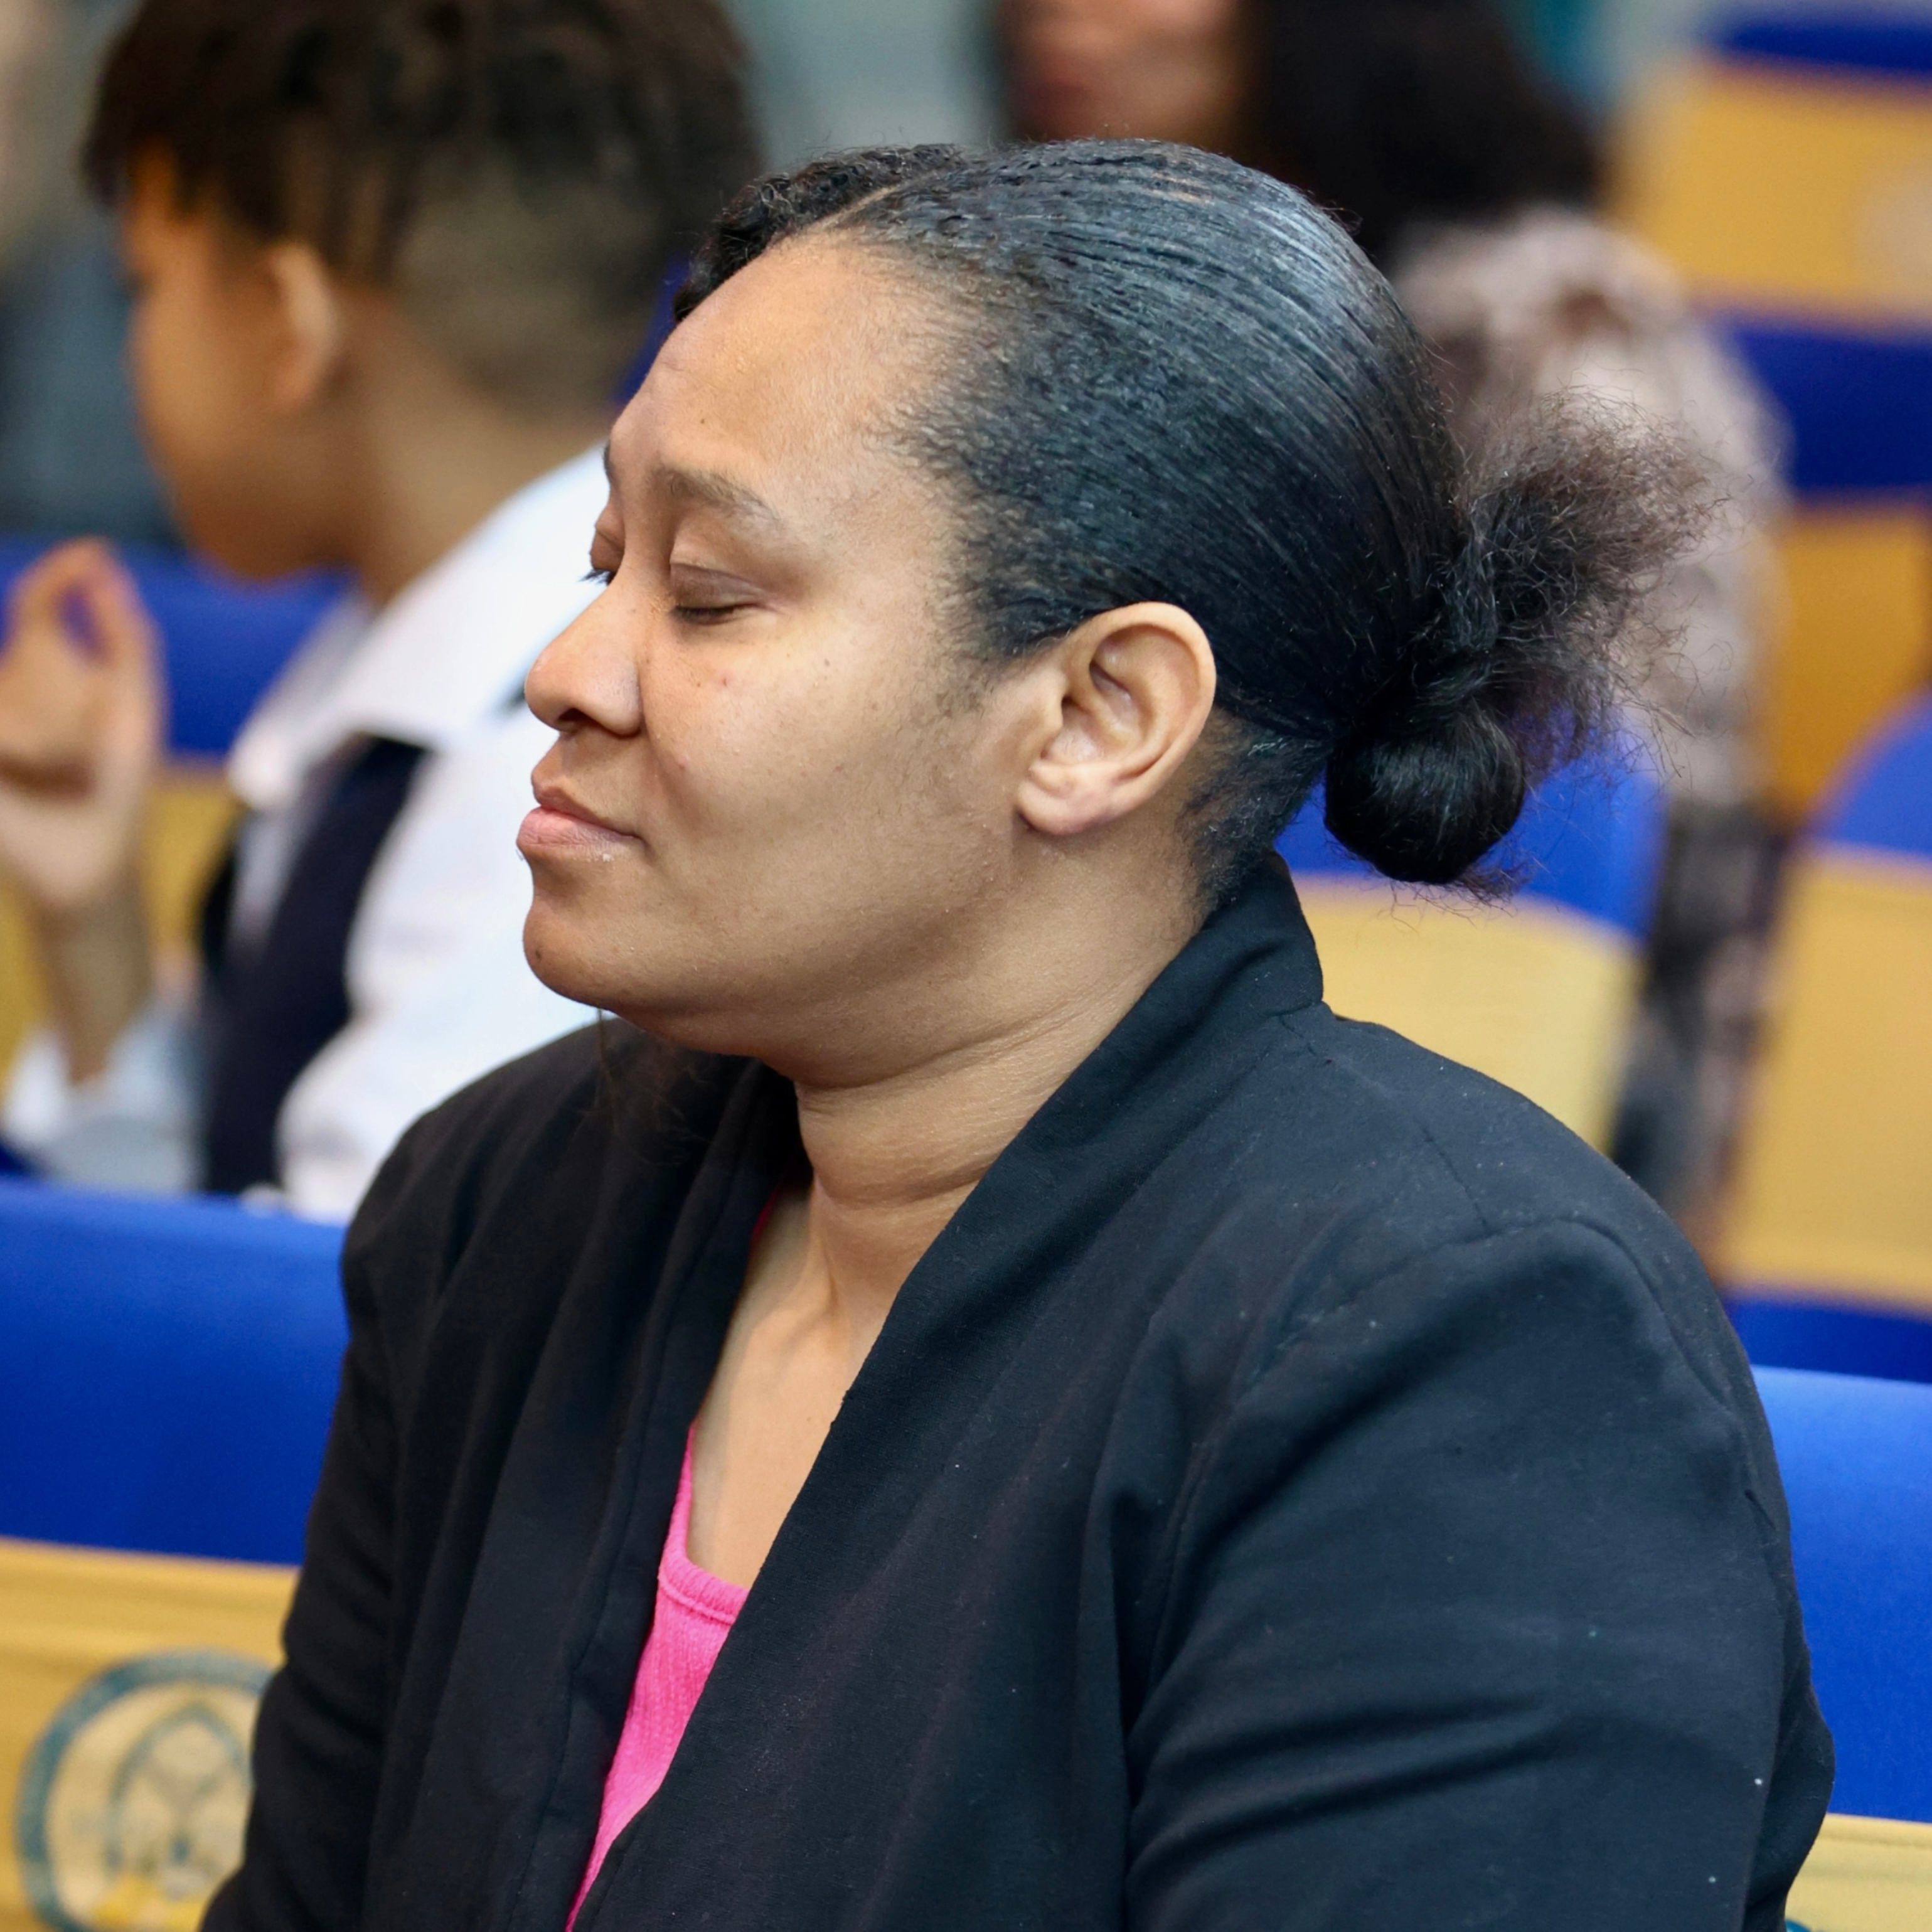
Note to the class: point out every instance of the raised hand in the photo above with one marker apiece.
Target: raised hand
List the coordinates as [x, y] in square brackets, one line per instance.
[81, 721]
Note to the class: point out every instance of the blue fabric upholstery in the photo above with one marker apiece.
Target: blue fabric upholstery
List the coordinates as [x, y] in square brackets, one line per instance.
[1781, 1333]
[1875, 42]
[1590, 839]
[1858, 400]
[224, 641]
[1856, 1457]
[170, 1369]
[1884, 800]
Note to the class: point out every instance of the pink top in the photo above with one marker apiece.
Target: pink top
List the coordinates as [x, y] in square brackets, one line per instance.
[694, 1615]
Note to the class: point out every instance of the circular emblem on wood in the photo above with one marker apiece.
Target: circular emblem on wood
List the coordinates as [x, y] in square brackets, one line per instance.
[133, 1798]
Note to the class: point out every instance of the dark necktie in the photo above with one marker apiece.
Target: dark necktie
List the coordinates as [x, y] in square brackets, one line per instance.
[271, 1006]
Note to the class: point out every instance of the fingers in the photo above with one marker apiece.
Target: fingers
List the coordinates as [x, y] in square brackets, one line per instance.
[84, 577]
[39, 598]
[122, 630]
[129, 653]
[79, 676]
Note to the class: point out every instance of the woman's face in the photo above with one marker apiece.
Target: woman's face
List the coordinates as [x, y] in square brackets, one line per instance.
[778, 794]
[1159, 70]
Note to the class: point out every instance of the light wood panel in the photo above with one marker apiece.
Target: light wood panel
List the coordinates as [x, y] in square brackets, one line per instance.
[1801, 194]
[128, 1687]
[1855, 640]
[1833, 1194]
[1865, 1875]
[191, 817]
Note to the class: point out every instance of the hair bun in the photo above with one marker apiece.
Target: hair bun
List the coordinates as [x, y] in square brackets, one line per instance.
[1433, 775]
[1426, 807]
[1522, 660]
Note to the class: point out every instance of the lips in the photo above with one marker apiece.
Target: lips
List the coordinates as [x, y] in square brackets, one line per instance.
[560, 823]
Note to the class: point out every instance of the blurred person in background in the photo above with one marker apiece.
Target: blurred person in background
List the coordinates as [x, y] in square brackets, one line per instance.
[390, 264]
[70, 454]
[1468, 176]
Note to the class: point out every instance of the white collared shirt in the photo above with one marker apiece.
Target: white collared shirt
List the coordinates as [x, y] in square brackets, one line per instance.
[439, 989]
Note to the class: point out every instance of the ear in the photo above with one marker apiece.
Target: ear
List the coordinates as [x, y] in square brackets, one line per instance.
[312, 328]
[1135, 687]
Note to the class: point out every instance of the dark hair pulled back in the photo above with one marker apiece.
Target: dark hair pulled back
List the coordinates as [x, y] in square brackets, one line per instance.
[1174, 379]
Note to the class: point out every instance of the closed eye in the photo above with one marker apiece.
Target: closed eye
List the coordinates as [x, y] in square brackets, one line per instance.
[706, 597]
[706, 614]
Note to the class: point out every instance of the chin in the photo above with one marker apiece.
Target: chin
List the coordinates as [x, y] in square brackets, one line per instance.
[254, 557]
[1059, 111]
[558, 956]
[586, 966]
[248, 538]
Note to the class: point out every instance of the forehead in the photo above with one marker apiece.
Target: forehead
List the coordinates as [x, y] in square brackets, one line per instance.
[792, 378]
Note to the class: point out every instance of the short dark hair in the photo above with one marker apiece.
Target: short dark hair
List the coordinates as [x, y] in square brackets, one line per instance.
[1403, 113]
[1180, 381]
[523, 172]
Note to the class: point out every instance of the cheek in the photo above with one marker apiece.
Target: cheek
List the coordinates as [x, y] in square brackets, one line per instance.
[184, 385]
[1174, 44]
[155, 367]
[757, 754]
[818, 794]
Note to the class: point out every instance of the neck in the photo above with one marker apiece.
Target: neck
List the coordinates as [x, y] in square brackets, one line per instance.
[430, 459]
[894, 1157]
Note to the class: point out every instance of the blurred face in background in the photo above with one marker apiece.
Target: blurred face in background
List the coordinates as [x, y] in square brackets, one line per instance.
[1154, 70]
[209, 353]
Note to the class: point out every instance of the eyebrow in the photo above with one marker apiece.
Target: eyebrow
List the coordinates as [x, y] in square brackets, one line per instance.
[709, 488]
[714, 491]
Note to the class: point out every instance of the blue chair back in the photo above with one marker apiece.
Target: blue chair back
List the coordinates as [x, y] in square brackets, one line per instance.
[1856, 1458]
[169, 1368]
[1590, 840]
[1884, 802]
[1840, 1340]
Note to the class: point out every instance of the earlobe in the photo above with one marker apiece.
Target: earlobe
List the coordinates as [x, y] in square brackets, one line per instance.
[312, 325]
[1137, 686]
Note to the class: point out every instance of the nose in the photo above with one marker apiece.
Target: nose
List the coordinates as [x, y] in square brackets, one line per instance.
[587, 675]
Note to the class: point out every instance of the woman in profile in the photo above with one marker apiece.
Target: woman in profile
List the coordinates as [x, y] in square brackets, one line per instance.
[986, 1405]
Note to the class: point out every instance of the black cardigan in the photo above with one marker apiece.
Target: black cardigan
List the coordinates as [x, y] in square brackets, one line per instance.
[1304, 1487]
